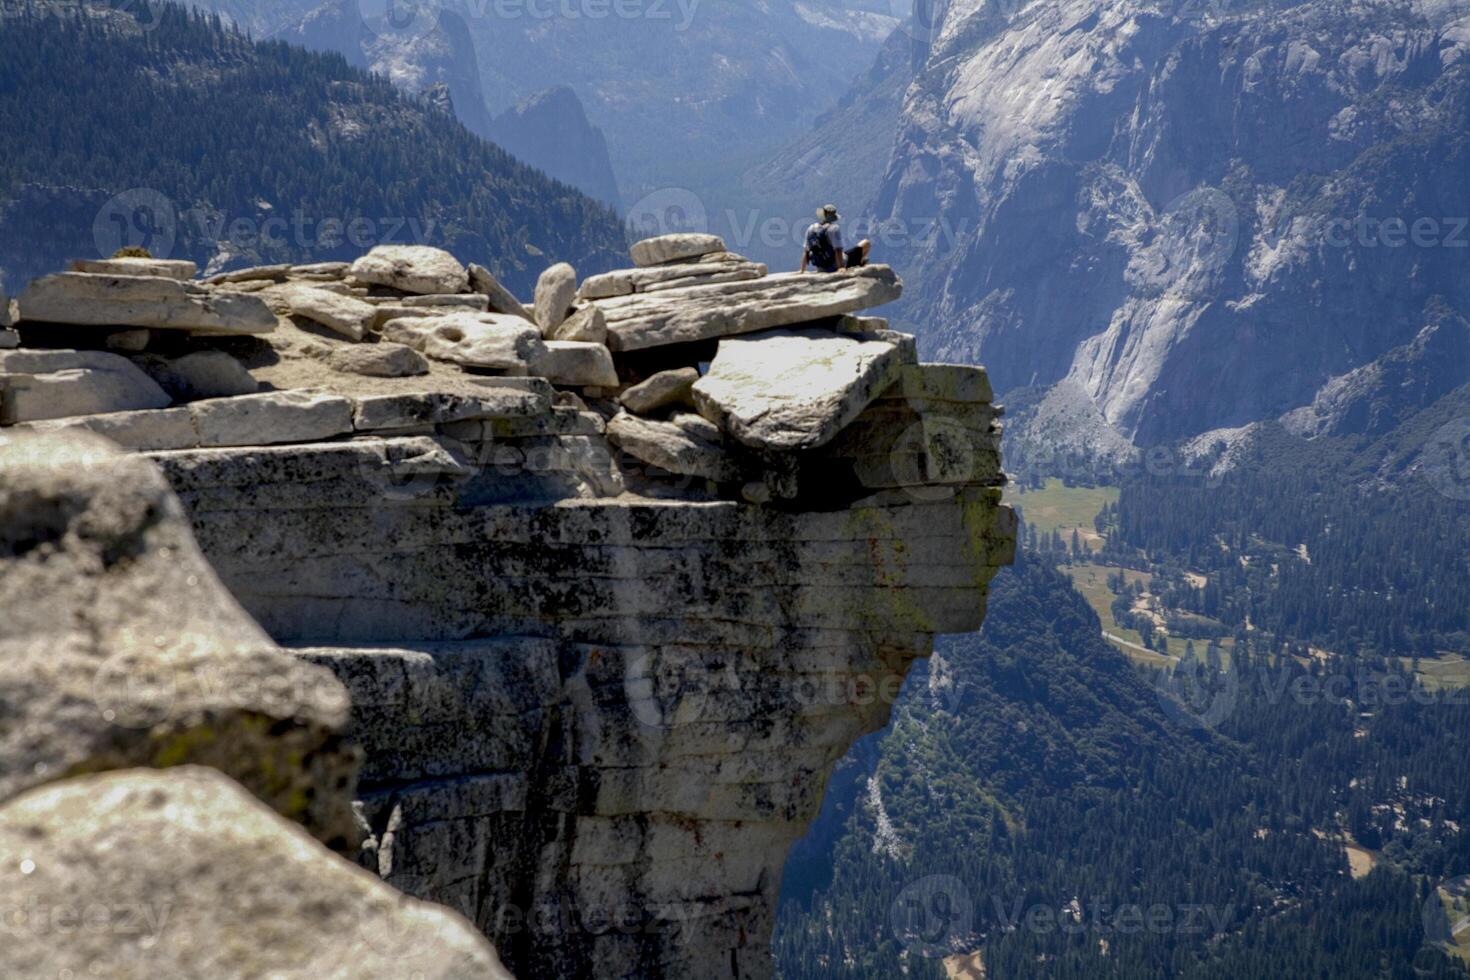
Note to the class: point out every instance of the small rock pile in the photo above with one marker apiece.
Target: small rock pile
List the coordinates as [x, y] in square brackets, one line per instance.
[695, 362]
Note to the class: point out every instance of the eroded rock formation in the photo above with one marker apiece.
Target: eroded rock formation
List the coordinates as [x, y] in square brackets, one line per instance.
[605, 632]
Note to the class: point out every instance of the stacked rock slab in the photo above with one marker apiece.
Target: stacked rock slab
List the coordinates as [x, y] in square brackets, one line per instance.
[604, 632]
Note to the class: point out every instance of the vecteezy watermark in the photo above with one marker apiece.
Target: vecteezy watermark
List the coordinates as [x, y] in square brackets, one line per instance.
[1445, 459]
[933, 917]
[1196, 236]
[1076, 917]
[146, 218]
[137, 921]
[1197, 695]
[672, 210]
[1446, 914]
[1365, 231]
[559, 917]
[401, 21]
[140, 217]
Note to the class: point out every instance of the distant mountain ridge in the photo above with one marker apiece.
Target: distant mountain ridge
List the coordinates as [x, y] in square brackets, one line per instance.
[1176, 220]
[194, 141]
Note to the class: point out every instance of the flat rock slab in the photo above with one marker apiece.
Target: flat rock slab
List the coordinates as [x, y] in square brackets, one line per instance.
[413, 269]
[498, 298]
[682, 449]
[676, 316]
[496, 341]
[169, 268]
[271, 417]
[254, 273]
[157, 302]
[144, 431]
[120, 647]
[342, 314]
[193, 878]
[51, 384]
[674, 248]
[793, 390]
[435, 408]
[621, 282]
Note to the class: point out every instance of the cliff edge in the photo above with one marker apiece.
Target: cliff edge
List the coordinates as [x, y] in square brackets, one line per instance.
[612, 578]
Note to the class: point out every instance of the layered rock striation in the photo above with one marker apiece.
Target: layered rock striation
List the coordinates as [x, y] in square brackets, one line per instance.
[607, 613]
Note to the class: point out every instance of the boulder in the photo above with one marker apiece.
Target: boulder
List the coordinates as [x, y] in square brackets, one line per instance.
[9, 339]
[384, 360]
[661, 390]
[201, 374]
[621, 282]
[498, 298]
[482, 340]
[254, 273]
[674, 248]
[346, 315]
[704, 312]
[555, 290]
[156, 302]
[128, 341]
[50, 384]
[588, 324]
[271, 417]
[119, 647]
[572, 362]
[412, 269]
[790, 390]
[5, 319]
[145, 874]
[168, 268]
[672, 447]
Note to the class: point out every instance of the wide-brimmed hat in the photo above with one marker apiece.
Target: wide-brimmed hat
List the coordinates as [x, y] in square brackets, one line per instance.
[827, 211]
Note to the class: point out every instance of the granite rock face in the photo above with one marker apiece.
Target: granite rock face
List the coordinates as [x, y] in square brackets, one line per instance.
[600, 652]
[140, 874]
[129, 653]
[157, 302]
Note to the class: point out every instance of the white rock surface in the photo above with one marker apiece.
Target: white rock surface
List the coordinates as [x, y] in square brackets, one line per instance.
[382, 360]
[50, 384]
[674, 248]
[123, 266]
[271, 417]
[588, 324]
[144, 431]
[156, 302]
[251, 274]
[346, 315]
[483, 340]
[410, 409]
[195, 878]
[498, 298]
[475, 302]
[702, 312]
[573, 362]
[199, 374]
[621, 282]
[793, 389]
[555, 289]
[413, 269]
[665, 388]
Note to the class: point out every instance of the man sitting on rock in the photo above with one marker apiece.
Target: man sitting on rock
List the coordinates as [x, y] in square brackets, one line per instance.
[824, 245]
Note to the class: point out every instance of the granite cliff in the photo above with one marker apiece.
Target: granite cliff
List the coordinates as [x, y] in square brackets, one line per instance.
[566, 609]
[1175, 218]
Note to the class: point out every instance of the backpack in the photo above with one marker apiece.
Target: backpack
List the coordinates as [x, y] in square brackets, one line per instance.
[819, 247]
